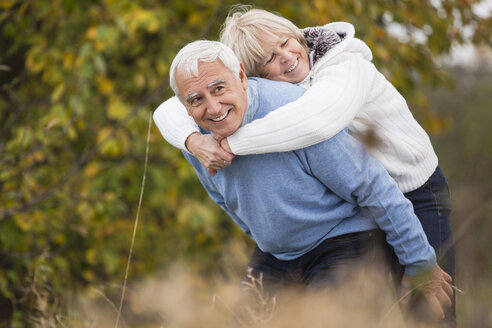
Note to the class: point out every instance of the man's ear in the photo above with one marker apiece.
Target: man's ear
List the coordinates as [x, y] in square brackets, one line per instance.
[242, 77]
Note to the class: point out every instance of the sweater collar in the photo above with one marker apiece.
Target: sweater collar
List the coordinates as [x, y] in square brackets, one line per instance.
[253, 103]
[328, 40]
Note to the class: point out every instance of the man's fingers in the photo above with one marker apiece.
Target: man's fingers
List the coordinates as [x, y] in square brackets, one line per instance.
[212, 172]
[447, 277]
[444, 298]
[447, 289]
[435, 306]
[405, 290]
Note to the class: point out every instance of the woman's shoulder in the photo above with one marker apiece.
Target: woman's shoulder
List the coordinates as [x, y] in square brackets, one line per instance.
[323, 40]
[327, 49]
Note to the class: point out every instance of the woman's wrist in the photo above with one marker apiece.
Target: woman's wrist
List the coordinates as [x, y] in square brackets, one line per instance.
[225, 145]
[191, 141]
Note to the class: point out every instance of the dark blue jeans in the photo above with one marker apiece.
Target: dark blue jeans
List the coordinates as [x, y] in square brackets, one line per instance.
[432, 205]
[330, 263]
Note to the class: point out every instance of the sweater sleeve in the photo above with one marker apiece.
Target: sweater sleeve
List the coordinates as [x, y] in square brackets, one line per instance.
[343, 165]
[174, 123]
[340, 89]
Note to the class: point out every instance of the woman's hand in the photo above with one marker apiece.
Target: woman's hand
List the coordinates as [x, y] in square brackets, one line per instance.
[225, 145]
[435, 286]
[206, 148]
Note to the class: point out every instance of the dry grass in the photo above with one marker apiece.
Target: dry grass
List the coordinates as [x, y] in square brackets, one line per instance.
[181, 298]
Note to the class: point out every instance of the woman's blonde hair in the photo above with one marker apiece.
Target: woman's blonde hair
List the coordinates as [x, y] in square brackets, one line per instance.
[246, 31]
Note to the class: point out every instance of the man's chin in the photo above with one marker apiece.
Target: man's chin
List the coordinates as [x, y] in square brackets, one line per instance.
[224, 132]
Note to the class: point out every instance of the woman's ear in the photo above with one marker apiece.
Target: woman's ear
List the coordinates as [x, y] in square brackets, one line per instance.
[242, 77]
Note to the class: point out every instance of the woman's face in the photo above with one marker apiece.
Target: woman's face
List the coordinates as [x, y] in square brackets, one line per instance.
[285, 60]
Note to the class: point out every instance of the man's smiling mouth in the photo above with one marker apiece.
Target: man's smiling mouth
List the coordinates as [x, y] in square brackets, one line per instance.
[220, 118]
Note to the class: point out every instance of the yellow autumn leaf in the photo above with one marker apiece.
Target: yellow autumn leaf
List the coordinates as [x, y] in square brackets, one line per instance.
[105, 85]
[91, 169]
[60, 239]
[22, 221]
[57, 92]
[7, 4]
[68, 60]
[117, 109]
[91, 33]
[109, 147]
[90, 256]
[103, 134]
[36, 59]
[195, 18]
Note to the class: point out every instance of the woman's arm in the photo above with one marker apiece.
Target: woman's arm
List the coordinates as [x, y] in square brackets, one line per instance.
[181, 131]
[174, 122]
[340, 89]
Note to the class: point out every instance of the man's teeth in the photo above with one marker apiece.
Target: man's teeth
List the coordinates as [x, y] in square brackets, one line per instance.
[220, 118]
[293, 66]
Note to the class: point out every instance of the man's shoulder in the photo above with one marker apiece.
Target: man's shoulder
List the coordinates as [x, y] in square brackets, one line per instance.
[269, 86]
[274, 94]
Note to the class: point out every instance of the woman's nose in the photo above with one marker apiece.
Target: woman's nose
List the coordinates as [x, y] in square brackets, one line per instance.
[284, 55]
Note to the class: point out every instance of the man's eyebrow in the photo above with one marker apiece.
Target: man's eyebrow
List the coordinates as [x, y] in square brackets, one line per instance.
[214, 83]
[190, 97]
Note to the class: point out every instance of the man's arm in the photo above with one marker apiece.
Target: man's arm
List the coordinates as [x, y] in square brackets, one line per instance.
[344, 166]
[349, 171]
[174, 123]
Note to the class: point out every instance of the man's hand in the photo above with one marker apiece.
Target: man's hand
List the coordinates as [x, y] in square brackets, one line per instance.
[436, 288]
[206, 148]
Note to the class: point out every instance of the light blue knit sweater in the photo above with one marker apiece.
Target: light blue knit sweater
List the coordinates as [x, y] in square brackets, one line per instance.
[290, 202]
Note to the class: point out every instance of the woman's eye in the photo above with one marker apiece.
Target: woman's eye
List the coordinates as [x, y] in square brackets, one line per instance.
[270, 59]
[285, 43]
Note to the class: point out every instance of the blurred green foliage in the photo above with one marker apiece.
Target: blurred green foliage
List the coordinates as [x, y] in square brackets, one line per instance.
[78, 81]
[465, 155]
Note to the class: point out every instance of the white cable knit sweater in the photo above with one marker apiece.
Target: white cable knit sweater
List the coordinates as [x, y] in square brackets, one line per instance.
[344, 90]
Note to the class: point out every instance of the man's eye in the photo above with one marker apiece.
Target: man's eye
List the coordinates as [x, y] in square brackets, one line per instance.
[195, 101]
[218, 88]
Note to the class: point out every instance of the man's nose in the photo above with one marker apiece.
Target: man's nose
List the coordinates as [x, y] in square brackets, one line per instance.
[213, 105]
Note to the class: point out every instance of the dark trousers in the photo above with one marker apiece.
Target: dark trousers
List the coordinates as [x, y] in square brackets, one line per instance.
[432, 205]
[330, 263]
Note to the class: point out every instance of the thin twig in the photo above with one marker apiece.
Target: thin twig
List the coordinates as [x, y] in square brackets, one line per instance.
[136, 222]
[106, 298]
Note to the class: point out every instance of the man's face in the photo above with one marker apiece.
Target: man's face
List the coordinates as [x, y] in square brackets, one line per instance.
[215, 99]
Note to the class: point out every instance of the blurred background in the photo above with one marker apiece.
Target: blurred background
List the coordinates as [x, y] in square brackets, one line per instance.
[78, 83]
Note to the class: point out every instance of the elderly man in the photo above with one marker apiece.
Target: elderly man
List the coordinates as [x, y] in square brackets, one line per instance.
[310, 211]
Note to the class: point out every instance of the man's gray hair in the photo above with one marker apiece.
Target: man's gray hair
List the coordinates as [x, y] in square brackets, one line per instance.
[186, 61]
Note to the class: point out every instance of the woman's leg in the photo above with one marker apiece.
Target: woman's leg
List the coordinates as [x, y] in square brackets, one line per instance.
[432, 205]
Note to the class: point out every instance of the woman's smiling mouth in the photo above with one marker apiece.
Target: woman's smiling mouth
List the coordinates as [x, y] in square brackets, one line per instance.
[293, 66]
